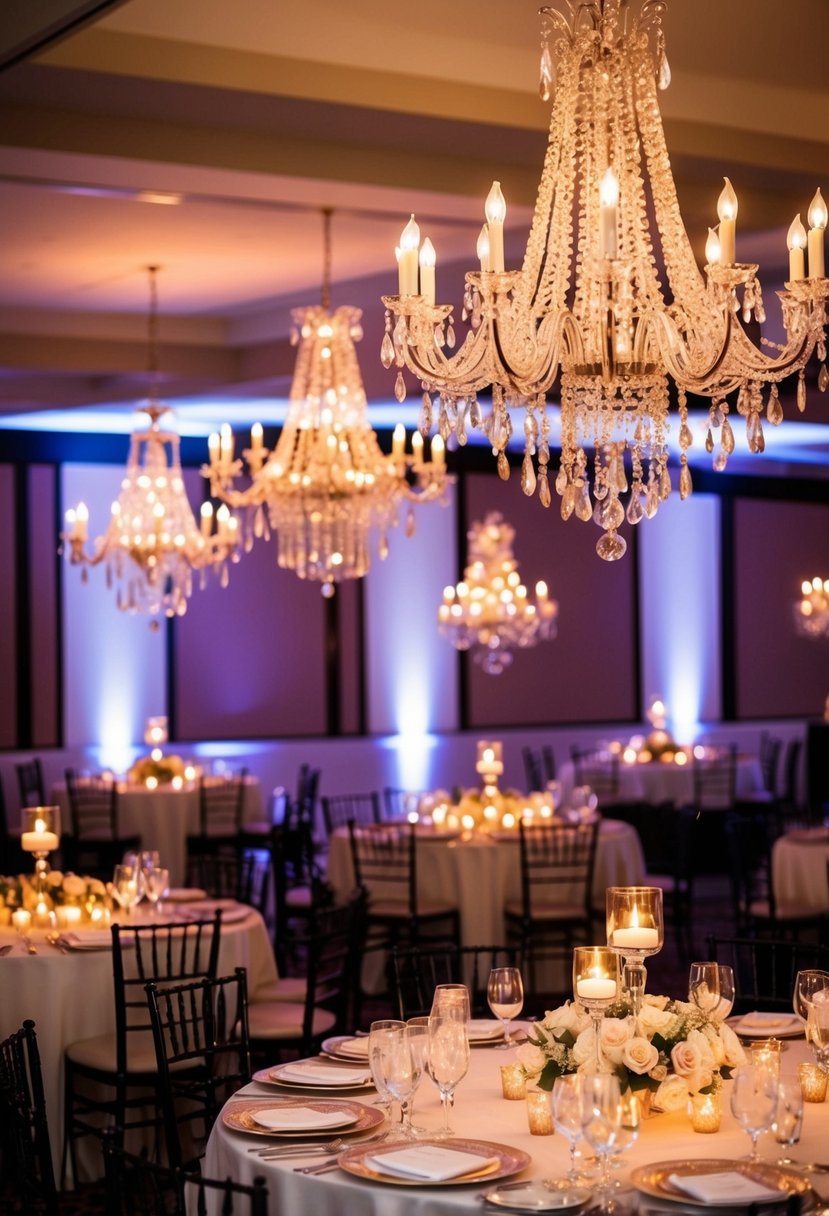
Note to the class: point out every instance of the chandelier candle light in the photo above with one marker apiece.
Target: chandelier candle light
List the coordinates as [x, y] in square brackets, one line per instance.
[153, 544]
[811, 612]
[327, 485]
[490, 611]
[635, 930]
[610, 304]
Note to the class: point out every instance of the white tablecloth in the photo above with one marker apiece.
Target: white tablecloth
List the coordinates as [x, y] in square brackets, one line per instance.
[164, 818]
[70, 996]
[656, 782]
[481, 874]
[481, 1113]
[799, 868]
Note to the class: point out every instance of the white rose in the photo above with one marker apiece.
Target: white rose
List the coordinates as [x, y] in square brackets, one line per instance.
[732, 1047]
[74, 886]
[671, 1095]
[639, 1055]
[700, 1040]
[717, 1048]
[531, 1058]
[655, 1002]
[652, 1020]
[615, 1033]
[584, 1048]
[685, 1058]
[568, 1016]
[701, 1079]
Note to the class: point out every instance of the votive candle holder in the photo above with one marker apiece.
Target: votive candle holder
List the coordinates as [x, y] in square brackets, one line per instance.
[539, 1112]
[513, 1082]
[813, 1081]
[705, 1111]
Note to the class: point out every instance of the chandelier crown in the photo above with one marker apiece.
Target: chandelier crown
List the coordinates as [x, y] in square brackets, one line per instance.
[610, 308]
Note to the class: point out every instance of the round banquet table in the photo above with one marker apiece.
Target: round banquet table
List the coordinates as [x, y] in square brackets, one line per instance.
[69, 996]
[482, 873]
[164, 818]
[656, 782]
[481, 1113]
[800, 868]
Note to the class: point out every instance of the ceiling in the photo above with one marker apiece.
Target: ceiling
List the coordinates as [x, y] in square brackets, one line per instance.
[206, 137]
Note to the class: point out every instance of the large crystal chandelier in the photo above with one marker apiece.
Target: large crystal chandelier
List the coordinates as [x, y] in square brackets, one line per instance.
[327, 485]
[153, 545]
[490, 611]
[609, 306]
[811, 612]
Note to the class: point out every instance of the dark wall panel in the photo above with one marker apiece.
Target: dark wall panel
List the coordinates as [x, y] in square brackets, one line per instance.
[776, 546]
[588, 673]
[43, 591]
[249, 659]
[350, 656]
[8, 610]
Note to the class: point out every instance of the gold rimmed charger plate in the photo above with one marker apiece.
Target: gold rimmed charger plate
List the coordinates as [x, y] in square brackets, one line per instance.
[241, 1117]
[269, 1076]
[653, 1179]
[510, 1161]
[342, 1047]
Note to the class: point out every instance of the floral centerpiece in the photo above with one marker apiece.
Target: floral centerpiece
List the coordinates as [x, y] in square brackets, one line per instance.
[163, 770]
[475, 809]
[76, 889]
[672, 1049]
[11, 897]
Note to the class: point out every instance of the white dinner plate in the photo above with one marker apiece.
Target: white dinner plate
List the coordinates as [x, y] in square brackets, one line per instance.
[347, 1047]
[232, 912]
[485, 1030]
[767, 1025]
[314, 1076]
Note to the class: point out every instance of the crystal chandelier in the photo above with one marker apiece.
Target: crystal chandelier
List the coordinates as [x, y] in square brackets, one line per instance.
[153, 545]
[326, 485]
[811, 612]
[490, 612]
[609, 305]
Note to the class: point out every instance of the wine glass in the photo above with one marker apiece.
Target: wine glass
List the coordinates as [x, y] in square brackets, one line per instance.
[448, 1058]
[400, 1069]
[806, 984]
[452, 997]
[505, 995]
[418, 1030]
[811, 1002]
[601, 1118]
[711, 988]
[126, 887]
[376, 1030]
[629, 1116]
[156, 886]
[753, 1102]
[788, 1115]
[567, 1107]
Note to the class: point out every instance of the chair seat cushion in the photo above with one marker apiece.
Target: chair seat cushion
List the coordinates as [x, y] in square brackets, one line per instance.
[397, 909]
[299, 897]
[547, 912]
[99, 1053]
[283, 1020]
[289, 988]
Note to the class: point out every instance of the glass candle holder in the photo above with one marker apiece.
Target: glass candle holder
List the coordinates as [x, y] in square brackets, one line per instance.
[595, 984]
[635, 930]
[813, 1082]
[539, 1113]
[705, 1111]
[513, 1082]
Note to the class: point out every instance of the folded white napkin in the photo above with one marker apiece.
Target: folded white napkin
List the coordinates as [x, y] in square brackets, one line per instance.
[89, 939]
[726, 1187]
[353, 1047]
[768, 1022]
[433, 1164]
[318, 1074]
[301, 1118]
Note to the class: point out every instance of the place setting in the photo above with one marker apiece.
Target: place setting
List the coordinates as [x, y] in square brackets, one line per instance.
[302, 1117]
[314, 1074]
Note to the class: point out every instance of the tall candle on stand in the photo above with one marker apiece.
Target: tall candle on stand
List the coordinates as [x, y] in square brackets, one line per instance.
[39, 838]
[727, 211]
[407, 261]
[817, 227]
[496, 210]
[796, 241]
[427, 271]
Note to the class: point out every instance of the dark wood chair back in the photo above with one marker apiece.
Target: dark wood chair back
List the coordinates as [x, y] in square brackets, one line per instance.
[30, 782]
[27, 1153]
[362, 808]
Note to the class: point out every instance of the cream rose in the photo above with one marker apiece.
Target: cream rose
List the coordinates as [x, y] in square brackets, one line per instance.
[74, 886]
[654, 1002]
[700, 1040]
[584, 1048]
[685, 1058]
[640, 1056]
[672, 1094]
[732, 1047]
[531, 1058]
[652, 1020]
[615, 1033]
[567, 1017]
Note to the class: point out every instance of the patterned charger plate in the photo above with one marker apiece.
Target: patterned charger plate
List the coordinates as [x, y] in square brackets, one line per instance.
[653, 1179]
[240, 1116]
[508, 1161]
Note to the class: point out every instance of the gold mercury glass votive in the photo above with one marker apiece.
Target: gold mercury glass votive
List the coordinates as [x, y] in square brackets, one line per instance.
[813, 1082]
[513, 1082]
[705, 1112]
[539, 1112]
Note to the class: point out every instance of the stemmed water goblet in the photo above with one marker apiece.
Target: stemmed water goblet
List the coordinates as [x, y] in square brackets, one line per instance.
[452, 998]
[156, 886]
[126, 887]
[448, 1058]
[601, 1119]
[711, 989]
[418, 1030]
[788, 1115]
[399, 1068]
[753, 1102]
[811, 1002]
[505, 995]
[384, 1097]
[629, 1117]
[567, 1108]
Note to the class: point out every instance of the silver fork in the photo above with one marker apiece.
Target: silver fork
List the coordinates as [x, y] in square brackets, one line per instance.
[291, 1150]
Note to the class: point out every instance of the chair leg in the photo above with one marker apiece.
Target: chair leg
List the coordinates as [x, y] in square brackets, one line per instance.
[68, 1127]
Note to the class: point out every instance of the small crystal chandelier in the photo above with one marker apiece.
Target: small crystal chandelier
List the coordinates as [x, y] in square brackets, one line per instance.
[153, 544]
[490, 612]
[610, 305]
[327, 485]
[811, 612]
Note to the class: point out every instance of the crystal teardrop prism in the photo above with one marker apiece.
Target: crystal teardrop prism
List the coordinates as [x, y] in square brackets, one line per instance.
[801, 392]
[709, 440]
[720, 461]
[774, 412]
[546, 75]
[475, 414]
[727, 436]
[503, 466]
[685, 484]
[754, 432]
[528, 479]
[387, 351]
[544, 496]
[611, 547]
[410, 523]
[450, 337]
[651, 501]
[561, 482]
[664, 78]
[823, 378]
[685, 436]
[568, 501]
[636, 511]
[400, 387]
[584, 507]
